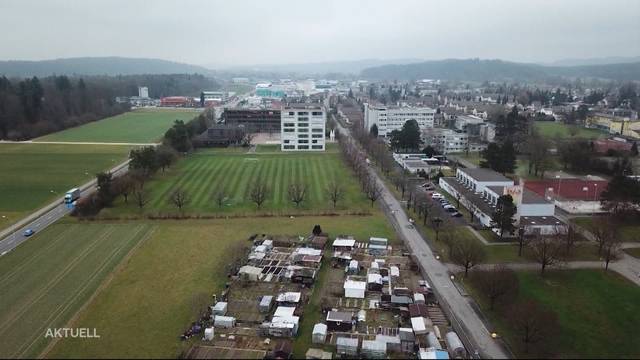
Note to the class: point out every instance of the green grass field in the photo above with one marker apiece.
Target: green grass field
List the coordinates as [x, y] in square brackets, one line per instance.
[139, 126]
[33, 174]
[635, 252]
[202, 173]
[598, 313]
[46, 280]
[629, 231]
[553, 129]
[148, 304]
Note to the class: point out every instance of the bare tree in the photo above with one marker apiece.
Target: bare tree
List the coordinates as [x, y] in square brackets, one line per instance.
[335, 192]
[220, 196]
[297, 192]
[602, 229]
[141, 197]
[248, 138]
[570, 238]
[259, 192]
[611, 249]
[373, 190]
[179, 198]
[532, 324]
[437, 223]
[123, 185]
[498, 284]
[468, 253]
[546, 250]
[428, 206]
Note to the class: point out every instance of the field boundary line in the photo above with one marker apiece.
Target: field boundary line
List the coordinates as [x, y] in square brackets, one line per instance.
[65, 305]
[43, 210]
[22, 309]
[105, 283]
[41, 251]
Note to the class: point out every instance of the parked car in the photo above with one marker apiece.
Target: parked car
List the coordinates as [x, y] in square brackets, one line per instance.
[456, 214]
[29, 232]
[436, 195]
[451, 209]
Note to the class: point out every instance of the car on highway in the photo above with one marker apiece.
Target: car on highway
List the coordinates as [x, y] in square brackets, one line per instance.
[29, 232]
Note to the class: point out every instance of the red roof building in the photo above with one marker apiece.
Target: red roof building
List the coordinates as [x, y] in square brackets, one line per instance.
[568, 189]
[604, 145]
[174, 101]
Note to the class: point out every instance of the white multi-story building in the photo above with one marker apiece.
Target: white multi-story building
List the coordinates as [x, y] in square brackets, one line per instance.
[388, 118]
[446, 141]
[302, 127]
[143, 92]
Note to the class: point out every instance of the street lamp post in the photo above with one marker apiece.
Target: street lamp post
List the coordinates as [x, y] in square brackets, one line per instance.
[595, 194]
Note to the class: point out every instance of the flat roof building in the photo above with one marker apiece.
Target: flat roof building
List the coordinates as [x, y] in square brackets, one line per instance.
[389, 118]
[303, 127]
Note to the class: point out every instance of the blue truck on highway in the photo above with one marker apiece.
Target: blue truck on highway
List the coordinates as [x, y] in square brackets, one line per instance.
[71, 196]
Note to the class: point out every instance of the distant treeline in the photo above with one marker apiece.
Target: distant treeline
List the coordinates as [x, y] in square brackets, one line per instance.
[34, 107]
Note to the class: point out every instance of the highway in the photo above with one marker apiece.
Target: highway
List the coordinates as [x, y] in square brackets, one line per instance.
[465, 320]
[39, 220]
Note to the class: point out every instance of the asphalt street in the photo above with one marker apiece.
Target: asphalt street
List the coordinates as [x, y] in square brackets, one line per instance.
[466, 321]
[48, 215]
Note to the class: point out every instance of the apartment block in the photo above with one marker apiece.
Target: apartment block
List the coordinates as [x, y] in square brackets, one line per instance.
[389, 118]
[303, 127]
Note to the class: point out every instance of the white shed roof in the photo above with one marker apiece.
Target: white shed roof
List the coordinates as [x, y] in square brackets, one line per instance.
[344, 242]
[418, 324]
[355, 285]
[320, 328]
[345, 341]
[220, 306]
[374, 278]
[284, 311]
[293, 297]
[395, 271]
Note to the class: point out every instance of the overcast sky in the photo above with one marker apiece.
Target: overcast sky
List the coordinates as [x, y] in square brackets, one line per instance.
[301, 31]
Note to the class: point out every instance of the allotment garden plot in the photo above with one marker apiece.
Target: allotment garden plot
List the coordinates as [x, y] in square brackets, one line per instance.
[202, 175]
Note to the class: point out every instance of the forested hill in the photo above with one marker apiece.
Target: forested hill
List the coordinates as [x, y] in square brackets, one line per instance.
[498, 70]
[97, 66]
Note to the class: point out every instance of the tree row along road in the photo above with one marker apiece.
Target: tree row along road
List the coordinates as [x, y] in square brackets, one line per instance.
[454, 303]
[40, 219]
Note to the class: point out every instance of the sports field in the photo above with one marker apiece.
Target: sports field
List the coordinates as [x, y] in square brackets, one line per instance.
[553, 129]
[139, 126]
[46, 280]
[33, 174]
[149, 303]
[598, 313]
[203, 173]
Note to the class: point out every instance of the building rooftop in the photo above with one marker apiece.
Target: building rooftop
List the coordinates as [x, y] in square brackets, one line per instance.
[480, 174]
[342, 316]
[568, 189]
[540, 220]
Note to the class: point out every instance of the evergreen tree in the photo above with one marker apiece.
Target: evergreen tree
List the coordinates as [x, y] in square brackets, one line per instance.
[503, 214]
